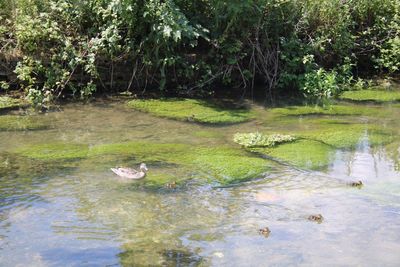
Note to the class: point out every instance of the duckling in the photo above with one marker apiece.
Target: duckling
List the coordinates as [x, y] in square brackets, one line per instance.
[171, 185]
[264, 231]
[316, 218]
[356, 184]
[191, 118]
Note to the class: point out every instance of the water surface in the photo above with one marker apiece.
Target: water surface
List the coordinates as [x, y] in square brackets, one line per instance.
[80, 214]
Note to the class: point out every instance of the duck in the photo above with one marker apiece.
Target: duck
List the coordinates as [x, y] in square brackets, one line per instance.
[316, 218]
[356, 183]
[265, 231]
[131, 173]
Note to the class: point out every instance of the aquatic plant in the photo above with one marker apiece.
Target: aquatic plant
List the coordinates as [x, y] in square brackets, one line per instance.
[371, 95]
[221, 164]
[54, 151]
[302, 153]
[346, 135]
[11, 103]
[331, 110]
[21, 123]
[191, 110]
[258, 139]
[228, 165]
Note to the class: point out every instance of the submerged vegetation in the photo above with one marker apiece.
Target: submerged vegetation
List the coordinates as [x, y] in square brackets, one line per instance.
[307, 154]
[222, 164]
[21, 123]
[191, 110]
[260, 140]
[7, 103]
[372, 95]
[332, 110]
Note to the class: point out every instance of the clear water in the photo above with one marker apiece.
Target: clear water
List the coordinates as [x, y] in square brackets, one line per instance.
[84, 216]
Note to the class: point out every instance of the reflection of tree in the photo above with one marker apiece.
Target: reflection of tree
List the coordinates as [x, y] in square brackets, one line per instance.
[393, 150]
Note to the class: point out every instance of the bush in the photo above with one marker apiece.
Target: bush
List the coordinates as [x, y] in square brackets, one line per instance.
[71, 47]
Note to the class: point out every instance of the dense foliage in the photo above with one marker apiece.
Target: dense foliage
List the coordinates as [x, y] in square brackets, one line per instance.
[316, 47]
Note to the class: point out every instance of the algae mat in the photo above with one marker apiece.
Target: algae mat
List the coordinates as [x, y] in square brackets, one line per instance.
[11, 103]
[372, 95]
[192, 110]
[220, 164]
[22, 123]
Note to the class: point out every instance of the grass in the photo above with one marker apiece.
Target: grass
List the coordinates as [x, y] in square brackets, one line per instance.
[191, 110]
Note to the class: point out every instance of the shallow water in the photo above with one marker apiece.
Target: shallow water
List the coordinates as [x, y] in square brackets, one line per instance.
[82, 215]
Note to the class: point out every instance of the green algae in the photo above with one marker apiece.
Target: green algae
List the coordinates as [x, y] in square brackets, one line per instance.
[347, 136]
[21, 123]
[7, 103]
[308, 154]
[332, 110]
[144, 151]
[191, 110]
[220, 164]
[207, 134]
[314, 110]
[228, 165]
[371, 95]
[23, 172]
[172, 162]
[258, 139]
[159, 178]
[54, 151]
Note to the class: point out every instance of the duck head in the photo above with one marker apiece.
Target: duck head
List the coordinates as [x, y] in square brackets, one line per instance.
[143, 167]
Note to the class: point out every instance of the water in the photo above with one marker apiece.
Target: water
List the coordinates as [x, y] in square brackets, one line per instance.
[82, 215]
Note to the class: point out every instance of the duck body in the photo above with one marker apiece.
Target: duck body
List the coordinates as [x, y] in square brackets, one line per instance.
[131, 173]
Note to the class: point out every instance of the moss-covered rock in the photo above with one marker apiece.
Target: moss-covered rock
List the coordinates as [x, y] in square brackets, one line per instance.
[54, 151]
[308, 154]
[7, 103]
[21, 123]
[371, 95]
[191, 110]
